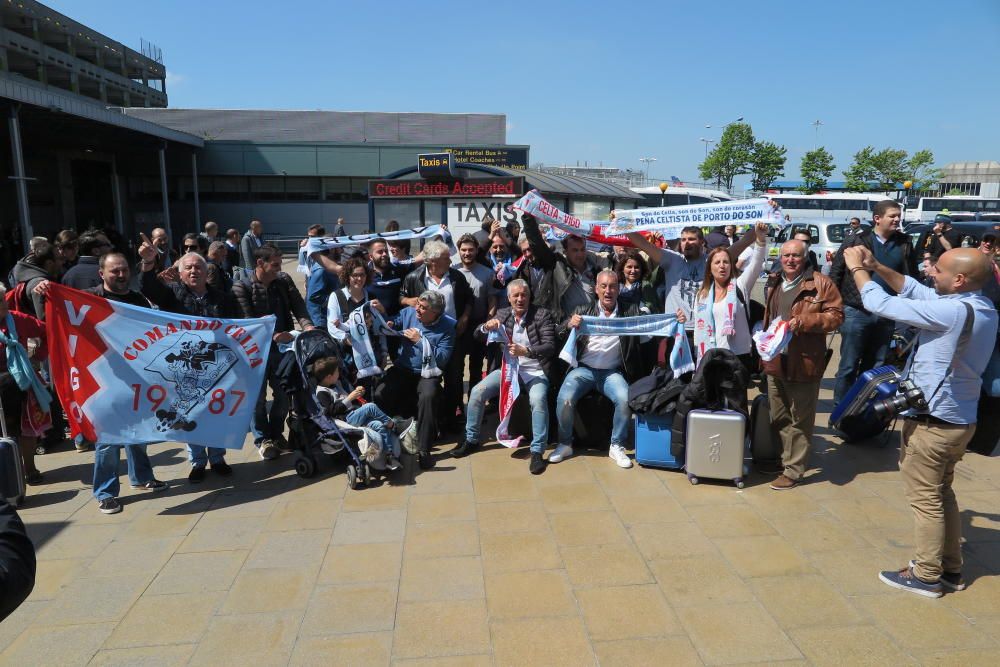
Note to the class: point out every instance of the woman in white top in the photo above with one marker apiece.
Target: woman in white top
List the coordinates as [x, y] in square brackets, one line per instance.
[345, 300]
[720, 314]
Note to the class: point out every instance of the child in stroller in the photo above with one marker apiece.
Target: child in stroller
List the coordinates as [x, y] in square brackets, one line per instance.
[337, 405]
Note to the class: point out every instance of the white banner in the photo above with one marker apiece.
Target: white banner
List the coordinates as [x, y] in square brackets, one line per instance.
[670, 220]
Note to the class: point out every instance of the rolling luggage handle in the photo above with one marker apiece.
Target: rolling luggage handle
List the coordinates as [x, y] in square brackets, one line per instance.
[3, 422]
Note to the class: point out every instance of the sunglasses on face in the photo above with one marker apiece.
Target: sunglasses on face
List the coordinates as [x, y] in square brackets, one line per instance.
[188, 248]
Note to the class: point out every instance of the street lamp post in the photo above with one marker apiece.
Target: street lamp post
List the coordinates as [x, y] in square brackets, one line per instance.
[816, 124]
[724, 126]
[706, 142]
[663, 194]
[646, 161]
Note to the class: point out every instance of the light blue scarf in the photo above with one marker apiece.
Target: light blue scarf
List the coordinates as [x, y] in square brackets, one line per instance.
[19, 366]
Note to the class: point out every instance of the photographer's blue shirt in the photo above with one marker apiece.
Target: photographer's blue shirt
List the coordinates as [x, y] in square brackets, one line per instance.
[940, 319]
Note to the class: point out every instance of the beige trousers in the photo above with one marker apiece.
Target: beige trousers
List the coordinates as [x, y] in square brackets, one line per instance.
[793, 414]
[927, 461]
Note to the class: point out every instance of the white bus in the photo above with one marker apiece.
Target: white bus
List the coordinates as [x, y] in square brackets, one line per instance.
[680, 195]
[832, 205]
[928, 207]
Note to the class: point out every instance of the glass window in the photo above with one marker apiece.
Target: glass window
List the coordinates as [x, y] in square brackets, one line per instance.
[836, 233]
[590, 209]
[302, 188]
[812, 230]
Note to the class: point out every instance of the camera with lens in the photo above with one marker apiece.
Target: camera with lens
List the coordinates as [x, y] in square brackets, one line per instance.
[908, 395]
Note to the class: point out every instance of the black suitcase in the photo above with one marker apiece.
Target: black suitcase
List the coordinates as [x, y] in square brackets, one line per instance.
[984, 441]
[11, 468]
[765, 444]
[592, 422]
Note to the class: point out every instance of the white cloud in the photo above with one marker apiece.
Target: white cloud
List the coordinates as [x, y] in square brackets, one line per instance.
[175, 79]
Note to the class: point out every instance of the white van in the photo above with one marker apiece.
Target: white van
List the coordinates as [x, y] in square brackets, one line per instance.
[827, 235]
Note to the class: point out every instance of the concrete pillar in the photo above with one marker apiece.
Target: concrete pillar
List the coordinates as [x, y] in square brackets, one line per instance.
[74, 82]
[19, 178]
[164, 193]
[102, 89]
[116, 195]
[194, 191]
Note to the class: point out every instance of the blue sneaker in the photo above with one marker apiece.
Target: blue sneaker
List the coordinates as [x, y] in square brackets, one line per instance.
[951, 580]
[907, 581]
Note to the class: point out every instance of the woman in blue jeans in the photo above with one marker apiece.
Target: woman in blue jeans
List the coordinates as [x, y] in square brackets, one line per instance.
[531, 332]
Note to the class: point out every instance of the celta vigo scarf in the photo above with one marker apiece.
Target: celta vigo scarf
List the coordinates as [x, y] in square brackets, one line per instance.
[510, 387]
[706, 333]
[364, 356]
[640, 325]
[20, 368]
[321, 244]
[562, 223]
[772, 341]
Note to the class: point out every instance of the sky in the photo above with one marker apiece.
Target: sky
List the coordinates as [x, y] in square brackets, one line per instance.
[600, 82]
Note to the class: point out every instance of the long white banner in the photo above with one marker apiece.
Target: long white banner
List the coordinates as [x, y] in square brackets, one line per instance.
[669, 221]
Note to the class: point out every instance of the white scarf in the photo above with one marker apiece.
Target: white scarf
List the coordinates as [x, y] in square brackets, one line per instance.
[705, 331]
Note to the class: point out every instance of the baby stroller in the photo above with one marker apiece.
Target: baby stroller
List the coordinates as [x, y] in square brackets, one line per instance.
[311, 431]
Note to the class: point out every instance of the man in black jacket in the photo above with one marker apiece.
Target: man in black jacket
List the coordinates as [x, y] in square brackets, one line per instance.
[17, 561]
[266, 290]
[563, 280]
[190, 295]
[533, 340]
[864, 336]
[606, 364]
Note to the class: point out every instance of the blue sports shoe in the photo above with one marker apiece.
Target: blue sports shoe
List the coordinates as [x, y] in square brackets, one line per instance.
[907, 581]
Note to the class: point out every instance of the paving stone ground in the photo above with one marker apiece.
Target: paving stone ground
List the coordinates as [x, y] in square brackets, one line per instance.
[479, 563]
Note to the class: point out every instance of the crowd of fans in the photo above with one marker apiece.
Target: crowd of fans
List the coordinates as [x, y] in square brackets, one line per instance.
[444, 303]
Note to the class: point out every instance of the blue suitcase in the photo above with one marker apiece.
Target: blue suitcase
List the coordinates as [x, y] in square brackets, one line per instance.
[652, 441]
[854, 416]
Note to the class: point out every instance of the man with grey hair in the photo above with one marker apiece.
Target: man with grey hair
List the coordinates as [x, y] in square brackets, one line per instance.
[608, 364]
[532, 333]
[427, 341]
[438, 275]
[193, 295]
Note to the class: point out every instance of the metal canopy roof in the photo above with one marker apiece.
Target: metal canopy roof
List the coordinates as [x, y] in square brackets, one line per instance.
[572, 186]
[28, 92]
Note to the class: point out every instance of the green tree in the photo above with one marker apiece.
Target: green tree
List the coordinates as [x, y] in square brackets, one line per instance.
[920, 170]
[767, 162]
[886, 167]
[730, 157]
[817, 165]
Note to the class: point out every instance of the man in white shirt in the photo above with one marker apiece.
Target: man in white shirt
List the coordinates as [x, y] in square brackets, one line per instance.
[607, 364]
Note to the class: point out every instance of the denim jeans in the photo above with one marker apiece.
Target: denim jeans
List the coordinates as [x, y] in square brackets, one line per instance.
[372, 416]
[864, 344]
[489, 387]
[201, 456]
[107, 463]
[581, 381]
[270, 424]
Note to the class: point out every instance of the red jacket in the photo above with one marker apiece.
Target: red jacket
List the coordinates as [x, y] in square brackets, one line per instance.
[26, 327]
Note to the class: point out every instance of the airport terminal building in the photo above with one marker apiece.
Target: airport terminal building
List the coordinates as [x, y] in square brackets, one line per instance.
[90, 142]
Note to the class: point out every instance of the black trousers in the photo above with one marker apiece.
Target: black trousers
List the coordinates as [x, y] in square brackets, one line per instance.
[396, 392]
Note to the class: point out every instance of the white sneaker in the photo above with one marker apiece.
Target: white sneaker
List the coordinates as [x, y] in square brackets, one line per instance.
[560, 453]
[618, 455]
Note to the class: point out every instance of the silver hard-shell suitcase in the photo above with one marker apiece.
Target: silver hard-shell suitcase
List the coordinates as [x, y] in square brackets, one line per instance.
[11, 469]
[716, 445]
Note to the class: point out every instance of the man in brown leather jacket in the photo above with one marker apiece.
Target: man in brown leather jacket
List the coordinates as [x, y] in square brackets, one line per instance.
[812, 305]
